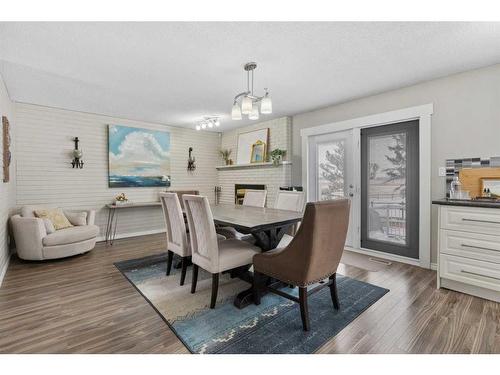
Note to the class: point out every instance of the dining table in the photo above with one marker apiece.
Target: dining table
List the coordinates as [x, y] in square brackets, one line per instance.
[266, 225]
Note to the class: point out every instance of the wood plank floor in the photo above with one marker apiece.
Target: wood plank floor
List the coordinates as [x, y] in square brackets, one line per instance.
[84, 305]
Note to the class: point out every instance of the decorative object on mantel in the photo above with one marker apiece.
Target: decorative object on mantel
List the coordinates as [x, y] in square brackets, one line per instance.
[191, 166]
[248, 142]
[6, 149]
[138, 157]
[77, 161]
[208, 122]
[121, 199]
[225, 155]
[277, 156]
[249, 101]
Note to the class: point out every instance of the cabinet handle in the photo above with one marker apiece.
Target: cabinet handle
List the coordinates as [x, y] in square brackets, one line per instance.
[478, 274]
[478, 247]
[481, 221]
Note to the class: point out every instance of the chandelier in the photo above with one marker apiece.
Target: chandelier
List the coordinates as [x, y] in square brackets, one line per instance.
[247, 103]
[208, 122]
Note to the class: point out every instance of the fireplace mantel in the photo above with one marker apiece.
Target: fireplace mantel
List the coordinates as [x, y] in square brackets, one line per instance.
[253, 165]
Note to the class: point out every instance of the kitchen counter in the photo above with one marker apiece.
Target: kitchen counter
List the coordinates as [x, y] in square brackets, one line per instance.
[467, 203]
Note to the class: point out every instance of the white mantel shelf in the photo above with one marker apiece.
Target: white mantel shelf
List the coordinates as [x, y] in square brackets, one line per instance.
[268, 164]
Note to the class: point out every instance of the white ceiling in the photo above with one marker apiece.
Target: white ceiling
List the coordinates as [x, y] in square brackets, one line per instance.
[175, 73]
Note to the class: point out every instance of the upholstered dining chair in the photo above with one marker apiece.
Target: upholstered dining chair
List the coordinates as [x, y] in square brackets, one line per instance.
[289, 200]
[312, 256]
[253, 198]
[180, 193]
[177, 239]
[208, 253]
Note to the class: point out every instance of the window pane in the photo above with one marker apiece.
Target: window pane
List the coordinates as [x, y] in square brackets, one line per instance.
[387, 188]
[331, 162]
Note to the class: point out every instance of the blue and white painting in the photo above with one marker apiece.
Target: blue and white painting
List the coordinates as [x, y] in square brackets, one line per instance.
[138, 157]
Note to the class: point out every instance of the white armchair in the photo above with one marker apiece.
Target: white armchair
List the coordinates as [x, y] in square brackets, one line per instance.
[34, 243]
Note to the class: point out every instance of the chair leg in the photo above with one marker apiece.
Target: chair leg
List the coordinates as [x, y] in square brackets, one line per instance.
[170, 256]
[184, 269]
[304, 313]
[333, 291]
[215, 289]
[257, 276]
[195, 278]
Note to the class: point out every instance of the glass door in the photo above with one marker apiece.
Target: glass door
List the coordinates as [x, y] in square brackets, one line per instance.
[390, 188]
[331, 171]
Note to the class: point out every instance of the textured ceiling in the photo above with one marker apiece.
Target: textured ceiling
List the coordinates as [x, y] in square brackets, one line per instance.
[175, 73]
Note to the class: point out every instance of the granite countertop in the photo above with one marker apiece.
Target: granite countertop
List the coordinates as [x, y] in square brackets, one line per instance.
[467, 203]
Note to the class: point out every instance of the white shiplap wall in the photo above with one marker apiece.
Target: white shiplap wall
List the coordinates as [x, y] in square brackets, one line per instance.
[7, 190]
[44, 173]
[280, 136]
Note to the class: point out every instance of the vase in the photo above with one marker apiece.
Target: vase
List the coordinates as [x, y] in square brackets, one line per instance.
[277, 160]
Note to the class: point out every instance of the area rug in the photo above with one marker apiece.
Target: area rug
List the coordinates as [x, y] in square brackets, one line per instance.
[274, 326]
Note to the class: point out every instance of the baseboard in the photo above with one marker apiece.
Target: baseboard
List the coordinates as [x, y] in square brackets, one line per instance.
[382, 255]
[3, 271]
[434, 266]
[133, 234]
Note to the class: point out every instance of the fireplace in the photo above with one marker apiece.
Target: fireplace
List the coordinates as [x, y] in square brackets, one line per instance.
[239, 191]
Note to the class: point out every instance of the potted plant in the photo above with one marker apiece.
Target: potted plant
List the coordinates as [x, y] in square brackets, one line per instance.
[225, 155]
[277, 156]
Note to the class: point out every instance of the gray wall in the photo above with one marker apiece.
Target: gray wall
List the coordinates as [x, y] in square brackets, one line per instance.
[465, 123]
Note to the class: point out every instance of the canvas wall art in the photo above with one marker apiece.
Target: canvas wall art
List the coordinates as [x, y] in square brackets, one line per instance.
[138, 157]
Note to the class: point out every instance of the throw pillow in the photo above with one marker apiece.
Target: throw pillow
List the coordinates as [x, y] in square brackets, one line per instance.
[77, 218]
[56, 216]
[49, 227]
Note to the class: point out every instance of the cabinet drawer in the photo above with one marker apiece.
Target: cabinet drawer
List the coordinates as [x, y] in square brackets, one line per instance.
[478, 246]
[471, 219]
[470, 271]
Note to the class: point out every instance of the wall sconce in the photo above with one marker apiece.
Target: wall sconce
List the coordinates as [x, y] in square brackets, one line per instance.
[77, 155]
[191, 166]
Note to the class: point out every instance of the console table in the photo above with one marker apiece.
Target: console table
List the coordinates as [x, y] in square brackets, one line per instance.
[113, 211]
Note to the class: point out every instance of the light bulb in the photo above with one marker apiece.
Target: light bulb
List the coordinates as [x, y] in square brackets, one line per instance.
[203, 125]
[198, 127]
[266, 105]
[254, 114]
[217, 122]
[210, 124]
[246, 105]
[236, 112]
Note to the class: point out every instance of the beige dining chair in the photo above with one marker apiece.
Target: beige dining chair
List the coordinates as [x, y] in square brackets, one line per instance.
[208, 253]
[291, 201]
[312, 256]
[177, 239]
[255, 198]
[252, 198]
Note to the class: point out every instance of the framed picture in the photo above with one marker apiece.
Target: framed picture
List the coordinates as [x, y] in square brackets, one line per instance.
[493, 184]
[6, 149]
[258, 152]
[138, 157]
[246, 143]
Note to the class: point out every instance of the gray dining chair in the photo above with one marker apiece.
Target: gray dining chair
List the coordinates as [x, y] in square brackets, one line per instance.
[208, 253]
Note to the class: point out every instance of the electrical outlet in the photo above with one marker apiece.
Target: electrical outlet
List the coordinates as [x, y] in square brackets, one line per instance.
[442, 172]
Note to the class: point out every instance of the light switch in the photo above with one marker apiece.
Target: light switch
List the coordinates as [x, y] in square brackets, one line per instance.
[442, 172]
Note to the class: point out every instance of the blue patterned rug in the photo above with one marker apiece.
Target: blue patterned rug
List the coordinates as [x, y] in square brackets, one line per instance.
[274, 326]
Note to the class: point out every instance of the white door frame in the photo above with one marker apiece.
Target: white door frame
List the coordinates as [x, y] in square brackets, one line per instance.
[421, 113]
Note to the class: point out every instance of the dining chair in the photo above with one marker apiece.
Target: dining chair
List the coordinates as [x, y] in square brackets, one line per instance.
[208, 253]
[177, 239]
[312, 256]
[255, 198]
[291, 201]
[252, 198]
[180, 193]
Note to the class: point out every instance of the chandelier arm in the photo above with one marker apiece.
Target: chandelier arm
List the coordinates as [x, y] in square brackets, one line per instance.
[245, 93]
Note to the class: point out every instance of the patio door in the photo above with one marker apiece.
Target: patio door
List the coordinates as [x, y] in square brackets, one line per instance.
[390, 188]
[331, 160]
